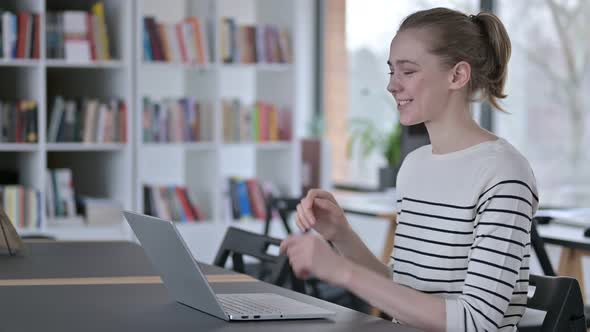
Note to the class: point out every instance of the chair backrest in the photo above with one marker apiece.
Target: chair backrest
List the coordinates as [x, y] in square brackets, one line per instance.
[284, 207]
[538, 246]
[238, 243]
[562, 299]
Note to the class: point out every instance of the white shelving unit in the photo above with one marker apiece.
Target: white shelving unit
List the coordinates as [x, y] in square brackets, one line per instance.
[101, 170]
[119, 171]
[205, 167]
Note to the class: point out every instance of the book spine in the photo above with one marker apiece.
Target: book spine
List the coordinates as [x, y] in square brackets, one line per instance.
[147, 44]
[181, 41]
[98, 10]
[90, 36]
[185, 203]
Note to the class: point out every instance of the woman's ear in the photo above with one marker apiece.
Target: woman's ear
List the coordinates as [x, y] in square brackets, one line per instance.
[460, 75]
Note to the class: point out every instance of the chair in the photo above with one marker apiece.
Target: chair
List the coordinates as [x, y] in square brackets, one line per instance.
[561, 299]
[284, 206]
[531, 321]
[274, 269]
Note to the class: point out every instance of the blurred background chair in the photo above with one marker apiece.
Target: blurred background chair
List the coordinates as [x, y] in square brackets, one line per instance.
[533, 319]
[560, 299]
[238, 244]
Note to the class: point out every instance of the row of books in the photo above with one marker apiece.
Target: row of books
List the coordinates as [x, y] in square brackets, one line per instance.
[188, 41]
[248, 197]
[18, 121]
[88, 120]
[19, 35]
[254, 43]
[177, 120]
[59, 196]
[78, 35]
[22, 205]
[171, 203]
[261, 122]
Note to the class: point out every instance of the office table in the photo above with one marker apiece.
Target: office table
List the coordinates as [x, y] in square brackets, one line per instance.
[111, 286]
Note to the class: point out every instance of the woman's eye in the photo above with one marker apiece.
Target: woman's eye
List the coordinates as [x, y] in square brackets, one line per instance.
[390, 73]
[409, 72]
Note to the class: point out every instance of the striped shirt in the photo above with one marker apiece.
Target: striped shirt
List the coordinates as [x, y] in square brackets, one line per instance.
[463, 232]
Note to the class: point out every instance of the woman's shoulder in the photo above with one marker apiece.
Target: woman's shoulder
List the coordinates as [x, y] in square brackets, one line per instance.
[509, 167]
[506, 160]
[418, 154]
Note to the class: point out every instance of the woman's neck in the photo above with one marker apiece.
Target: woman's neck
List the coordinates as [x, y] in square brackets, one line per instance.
[456, 130]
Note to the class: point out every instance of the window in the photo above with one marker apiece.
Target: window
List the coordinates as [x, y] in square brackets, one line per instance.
[548, 84]
[370, 26]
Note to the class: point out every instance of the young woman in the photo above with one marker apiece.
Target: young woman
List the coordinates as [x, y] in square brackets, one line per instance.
[465, 202]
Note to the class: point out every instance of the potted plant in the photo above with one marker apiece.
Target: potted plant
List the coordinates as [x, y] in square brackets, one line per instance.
[369, 137]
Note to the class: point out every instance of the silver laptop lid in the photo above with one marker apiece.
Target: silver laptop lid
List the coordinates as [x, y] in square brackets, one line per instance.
[171, 257]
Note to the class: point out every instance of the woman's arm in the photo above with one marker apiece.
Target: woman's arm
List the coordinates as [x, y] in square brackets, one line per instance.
[350, 245]
[309, 254]
[423, 311]
[320, 210]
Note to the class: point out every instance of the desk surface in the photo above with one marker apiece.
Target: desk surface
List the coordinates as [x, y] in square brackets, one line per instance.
[133, 307]
[371, 204]
[564, 235]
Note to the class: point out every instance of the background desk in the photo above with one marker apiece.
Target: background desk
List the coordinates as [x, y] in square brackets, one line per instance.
[377, 205]
[144, 306]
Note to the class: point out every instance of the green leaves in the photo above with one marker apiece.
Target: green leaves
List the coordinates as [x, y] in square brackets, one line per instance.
[368, 136]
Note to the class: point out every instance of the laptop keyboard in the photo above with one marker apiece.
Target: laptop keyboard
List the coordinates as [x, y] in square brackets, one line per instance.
[245, 306]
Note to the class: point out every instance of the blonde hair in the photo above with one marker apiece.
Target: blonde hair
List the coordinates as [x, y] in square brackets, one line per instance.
[480, 40]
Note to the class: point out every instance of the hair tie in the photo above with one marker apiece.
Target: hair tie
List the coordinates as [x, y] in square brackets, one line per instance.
[473, 18]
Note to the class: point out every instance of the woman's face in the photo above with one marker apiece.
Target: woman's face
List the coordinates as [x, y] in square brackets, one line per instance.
[417, 79]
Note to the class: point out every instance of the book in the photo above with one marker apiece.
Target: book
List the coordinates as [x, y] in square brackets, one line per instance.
[76, 37]
[19, 121]
[176, 120]
[64, 184]
[257, 199]
[234, 198]
[248, 198]
[98, 10]
[86, 120]
[100, 211]
[171, 202]
[244, 199]
[9, 35]
[187, 209]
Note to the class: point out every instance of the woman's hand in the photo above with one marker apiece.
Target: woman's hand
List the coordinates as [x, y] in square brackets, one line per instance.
[320, 211]
[309, 254]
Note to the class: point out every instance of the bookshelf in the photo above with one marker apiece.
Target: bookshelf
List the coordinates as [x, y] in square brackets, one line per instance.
[204, 167]
[119, 170]
[102, 170]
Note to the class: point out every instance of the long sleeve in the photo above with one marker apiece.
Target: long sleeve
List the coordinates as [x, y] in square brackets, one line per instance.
[495, 289]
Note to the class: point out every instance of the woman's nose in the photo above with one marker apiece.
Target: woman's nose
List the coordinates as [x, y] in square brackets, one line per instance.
[393, 86]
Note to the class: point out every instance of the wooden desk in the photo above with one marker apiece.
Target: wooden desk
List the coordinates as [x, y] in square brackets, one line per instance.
[111, 286]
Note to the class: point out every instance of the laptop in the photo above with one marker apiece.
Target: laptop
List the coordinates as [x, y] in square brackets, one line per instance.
[183, 278]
